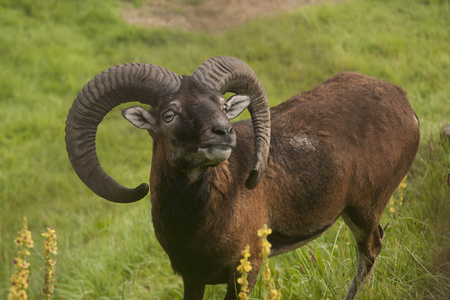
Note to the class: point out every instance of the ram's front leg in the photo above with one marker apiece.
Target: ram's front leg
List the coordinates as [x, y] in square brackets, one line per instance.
[193, 290]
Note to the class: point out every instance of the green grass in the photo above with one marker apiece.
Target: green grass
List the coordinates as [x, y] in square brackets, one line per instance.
[50, 49]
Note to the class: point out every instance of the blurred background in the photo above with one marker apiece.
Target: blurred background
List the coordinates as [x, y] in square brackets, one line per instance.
[50, 49]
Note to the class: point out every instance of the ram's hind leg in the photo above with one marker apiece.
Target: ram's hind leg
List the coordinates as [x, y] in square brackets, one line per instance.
[368, 235]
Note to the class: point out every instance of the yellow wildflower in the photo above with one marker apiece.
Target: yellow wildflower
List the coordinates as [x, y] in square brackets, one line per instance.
[244, 268]
[263, 233]
[19, 280]
[274, 294]
[400, 188]
[50, 247]
[400, 193]
[402, 184]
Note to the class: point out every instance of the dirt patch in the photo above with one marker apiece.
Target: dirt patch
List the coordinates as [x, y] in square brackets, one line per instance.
[207, 15]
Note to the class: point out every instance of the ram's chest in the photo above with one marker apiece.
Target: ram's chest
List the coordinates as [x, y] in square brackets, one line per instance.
[174, 227]
[193, 231]
[195, 222]
[197, 252]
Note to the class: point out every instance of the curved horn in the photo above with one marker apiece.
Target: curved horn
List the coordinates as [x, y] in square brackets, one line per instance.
[229, 74]
[145, 83]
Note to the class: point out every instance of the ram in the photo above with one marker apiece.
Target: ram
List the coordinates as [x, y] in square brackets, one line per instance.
[339, 150]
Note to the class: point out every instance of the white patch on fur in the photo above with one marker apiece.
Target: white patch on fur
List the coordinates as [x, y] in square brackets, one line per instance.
[303, 141]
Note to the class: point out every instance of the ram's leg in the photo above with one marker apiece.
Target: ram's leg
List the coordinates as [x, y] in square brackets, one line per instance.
[193, 290]
[368, 234]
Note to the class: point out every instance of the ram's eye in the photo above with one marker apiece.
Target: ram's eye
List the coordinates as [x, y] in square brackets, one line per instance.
[168, 116]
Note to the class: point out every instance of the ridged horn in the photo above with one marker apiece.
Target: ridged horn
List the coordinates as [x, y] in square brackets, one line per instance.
[229, 74]
[145, 83]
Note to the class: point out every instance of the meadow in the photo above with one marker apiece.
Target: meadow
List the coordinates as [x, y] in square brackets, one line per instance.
[50, 49]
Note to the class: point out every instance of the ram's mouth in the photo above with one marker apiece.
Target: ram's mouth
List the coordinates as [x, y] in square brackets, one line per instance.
[216, 153]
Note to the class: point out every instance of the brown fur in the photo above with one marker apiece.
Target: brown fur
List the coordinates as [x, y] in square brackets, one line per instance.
[340, 149]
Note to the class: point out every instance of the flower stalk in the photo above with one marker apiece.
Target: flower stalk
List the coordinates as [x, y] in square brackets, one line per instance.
[400, 192]
[19, 280]
[244, 268]
[269, 281]
[50, 249]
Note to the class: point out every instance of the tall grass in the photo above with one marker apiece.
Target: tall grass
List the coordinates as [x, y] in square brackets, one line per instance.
[50, 49]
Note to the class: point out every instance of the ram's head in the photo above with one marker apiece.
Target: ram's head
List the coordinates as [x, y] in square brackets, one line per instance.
[192, 126]
[188, 118]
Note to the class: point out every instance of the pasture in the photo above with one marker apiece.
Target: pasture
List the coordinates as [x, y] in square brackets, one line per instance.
[50, 49]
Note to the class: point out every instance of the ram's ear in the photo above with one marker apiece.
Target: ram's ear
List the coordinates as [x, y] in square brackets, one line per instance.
[140, 117]
[236, 105]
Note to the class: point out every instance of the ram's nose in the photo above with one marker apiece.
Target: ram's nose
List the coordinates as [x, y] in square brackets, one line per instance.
[222, 131]
[225, 134]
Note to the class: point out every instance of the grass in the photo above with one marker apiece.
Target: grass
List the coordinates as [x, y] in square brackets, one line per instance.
[50, 49]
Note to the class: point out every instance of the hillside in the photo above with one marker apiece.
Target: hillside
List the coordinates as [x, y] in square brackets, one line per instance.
[207, 15]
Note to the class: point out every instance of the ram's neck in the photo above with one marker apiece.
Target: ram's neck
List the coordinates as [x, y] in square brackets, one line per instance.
[182, 202]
